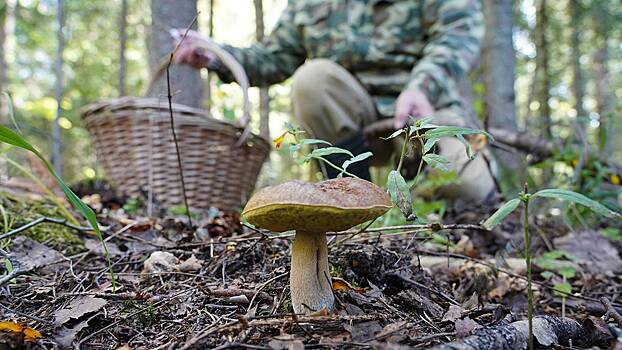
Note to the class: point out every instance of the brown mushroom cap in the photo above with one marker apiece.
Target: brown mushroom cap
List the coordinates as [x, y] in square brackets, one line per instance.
[331, 205]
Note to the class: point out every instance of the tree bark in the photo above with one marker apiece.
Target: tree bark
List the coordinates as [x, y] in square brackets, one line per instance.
[210, 75]
[264, 95]
[578, 82]
[122, 47]
[4, 7]
[186, 86]
[603, 95]
[542, 69]
[499, 61]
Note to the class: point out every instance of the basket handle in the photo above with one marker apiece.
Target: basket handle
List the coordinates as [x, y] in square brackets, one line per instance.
[238, 73]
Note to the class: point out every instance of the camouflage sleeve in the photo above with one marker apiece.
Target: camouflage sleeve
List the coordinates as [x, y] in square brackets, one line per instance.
[454, 30]
[273, 60]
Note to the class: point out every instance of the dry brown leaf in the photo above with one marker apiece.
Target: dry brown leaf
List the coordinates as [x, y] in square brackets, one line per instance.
[465, 326]
[453, 313]
[29, 333]
[78, 308]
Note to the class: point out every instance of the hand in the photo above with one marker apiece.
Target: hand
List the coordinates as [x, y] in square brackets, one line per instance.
[409, 103]
[191, 51]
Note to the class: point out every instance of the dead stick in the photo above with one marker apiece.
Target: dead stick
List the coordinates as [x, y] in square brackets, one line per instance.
[611, 311]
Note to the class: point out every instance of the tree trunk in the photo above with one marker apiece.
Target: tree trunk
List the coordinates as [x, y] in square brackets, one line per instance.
[4, 7]
[604, 98]
[58, 89]
[499, 61]
[542, 70]
[210, 75]
[264, 96]
[186, 86]
[578, 82]
[122, 47]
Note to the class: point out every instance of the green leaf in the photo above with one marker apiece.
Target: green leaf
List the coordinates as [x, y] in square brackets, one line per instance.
[436, 161]
[321, 152]
[612, 233]
[567, 271]
[394, 134]
[562, 289]
[467, 146]
[496, 218]
[11, 111]
[9, 136]
[547, 275]
[355, 159]
[448, 131]
[429, 144]
[400, 193]
[314, 142]
[578, 198]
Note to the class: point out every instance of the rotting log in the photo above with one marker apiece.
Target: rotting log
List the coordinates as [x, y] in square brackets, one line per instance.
[548, 331]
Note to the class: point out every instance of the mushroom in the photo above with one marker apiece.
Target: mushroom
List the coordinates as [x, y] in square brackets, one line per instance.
[312, 209]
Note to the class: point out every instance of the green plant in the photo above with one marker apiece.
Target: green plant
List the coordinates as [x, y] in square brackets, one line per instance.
[525, 197]
[10, 137]
[423, 136]
[298, 151]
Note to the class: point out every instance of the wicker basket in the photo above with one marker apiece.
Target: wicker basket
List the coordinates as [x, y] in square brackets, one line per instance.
[134, 143]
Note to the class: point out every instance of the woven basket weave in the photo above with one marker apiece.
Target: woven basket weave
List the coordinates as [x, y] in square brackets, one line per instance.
[134, 143]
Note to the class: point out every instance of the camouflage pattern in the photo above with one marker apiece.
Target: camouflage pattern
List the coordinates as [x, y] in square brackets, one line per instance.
[389, 45]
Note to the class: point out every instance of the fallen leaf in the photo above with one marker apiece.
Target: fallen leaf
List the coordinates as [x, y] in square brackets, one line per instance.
[190, 265]
[465, 326]
[78, 308]
[33, 255]
[29, 333]
[95, 246]
[595, 252]
[65, 336]
[453, 313]
[285, 342]
[363, 330]
[341, 285]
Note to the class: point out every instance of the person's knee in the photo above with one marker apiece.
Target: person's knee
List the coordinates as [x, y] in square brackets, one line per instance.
[312, 79]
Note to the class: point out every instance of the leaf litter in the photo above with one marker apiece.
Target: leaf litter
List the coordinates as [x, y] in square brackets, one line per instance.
[222, 285]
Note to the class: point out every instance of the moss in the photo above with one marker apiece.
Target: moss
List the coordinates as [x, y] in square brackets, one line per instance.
[19, 211]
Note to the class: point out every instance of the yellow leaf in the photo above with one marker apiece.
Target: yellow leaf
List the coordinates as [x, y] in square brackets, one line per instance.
[29, 333]
[615, 179]
[339, 284]
[279, 140]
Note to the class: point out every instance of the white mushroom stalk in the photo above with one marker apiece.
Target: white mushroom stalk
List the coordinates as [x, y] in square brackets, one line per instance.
[310, 282]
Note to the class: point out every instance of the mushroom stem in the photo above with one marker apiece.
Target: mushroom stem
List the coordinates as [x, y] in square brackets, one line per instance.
[309, 277]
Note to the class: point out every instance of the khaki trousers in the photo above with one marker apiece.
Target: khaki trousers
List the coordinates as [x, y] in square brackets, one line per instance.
[332, 105]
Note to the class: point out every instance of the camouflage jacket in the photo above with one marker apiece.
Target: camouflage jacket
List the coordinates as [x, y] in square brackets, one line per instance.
[389, 45]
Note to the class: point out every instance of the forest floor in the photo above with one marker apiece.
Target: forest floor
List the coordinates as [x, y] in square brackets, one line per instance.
[223, 285]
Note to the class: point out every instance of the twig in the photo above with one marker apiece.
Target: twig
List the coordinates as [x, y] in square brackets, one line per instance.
[431, 290]
[42, 220]
[611, 311]
[170, 110]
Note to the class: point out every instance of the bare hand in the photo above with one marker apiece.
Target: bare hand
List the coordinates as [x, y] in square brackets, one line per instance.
[191, 51]
[409, 103]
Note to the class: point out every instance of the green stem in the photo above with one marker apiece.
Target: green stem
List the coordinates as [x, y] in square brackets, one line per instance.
[528, 262]
[45, 189]
[336, 167]
[399, 165]
[416, 181]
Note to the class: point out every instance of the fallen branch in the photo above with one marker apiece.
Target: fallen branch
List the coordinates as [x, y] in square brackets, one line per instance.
[548, 331]
[520, 140]
[42, 220]
[611, 312]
